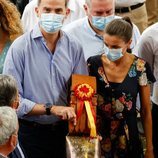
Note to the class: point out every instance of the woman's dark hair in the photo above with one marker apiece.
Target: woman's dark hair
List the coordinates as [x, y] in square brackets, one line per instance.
[8, 90]
[122, 28]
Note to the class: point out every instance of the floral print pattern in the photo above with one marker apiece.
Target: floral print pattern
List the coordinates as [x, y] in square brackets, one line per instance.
[116, 103]
[139, 65]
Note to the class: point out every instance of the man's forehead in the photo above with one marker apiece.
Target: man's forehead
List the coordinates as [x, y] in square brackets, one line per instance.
[53, 3]
[103, 5]
[105, 2]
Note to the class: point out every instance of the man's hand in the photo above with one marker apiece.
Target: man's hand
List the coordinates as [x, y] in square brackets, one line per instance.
[65, 113]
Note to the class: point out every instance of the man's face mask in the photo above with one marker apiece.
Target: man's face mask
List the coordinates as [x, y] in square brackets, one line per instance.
[50, 22]
[114, 54]
[100, 22]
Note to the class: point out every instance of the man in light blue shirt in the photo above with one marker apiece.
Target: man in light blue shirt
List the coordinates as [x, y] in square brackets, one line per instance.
[89, 30]
[42, 61]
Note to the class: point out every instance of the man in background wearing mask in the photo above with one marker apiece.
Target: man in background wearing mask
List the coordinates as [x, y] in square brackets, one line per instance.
[42, 62]
[90, 29]
[8, 130]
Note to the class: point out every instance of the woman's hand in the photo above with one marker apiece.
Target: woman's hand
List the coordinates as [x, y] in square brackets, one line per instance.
[99, 137]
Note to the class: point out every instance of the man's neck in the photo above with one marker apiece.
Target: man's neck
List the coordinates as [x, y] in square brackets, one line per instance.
[4, 151]
[51, 39]
[2, 156]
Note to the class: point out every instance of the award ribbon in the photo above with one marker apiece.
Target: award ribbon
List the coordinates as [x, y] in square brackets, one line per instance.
[84, 92]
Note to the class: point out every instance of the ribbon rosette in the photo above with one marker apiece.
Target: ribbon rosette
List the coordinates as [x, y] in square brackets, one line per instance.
[84, 92]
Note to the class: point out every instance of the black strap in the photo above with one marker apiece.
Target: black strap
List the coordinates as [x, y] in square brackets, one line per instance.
[127, 9]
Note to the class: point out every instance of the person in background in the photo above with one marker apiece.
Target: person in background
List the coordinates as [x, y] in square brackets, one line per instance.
[29, 17]
[152, 11]
[120, 77]
[135, 9]
[9, 97]
[8, 91]
[10, 28]
[8, 130]
[20, 4]
[13, 1]
[148, 50]
[42, 62]
[89, 30]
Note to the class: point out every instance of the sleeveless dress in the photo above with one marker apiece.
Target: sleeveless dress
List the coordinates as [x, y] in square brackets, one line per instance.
[116, 110]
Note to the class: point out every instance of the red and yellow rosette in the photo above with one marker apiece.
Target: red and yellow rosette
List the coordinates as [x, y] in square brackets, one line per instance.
[84, 93]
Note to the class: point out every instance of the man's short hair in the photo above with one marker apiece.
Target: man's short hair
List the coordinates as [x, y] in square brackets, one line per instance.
[8, 123]
[8, 90]
[39, 1]
[88, 2]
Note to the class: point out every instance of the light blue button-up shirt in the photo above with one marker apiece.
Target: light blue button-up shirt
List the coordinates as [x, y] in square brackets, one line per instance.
[42, 77]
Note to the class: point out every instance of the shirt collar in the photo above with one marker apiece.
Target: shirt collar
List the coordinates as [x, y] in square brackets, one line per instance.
[36, 32]
[89, 28]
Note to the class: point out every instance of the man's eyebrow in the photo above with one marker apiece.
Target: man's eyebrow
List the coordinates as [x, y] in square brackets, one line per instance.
[109, 10]
[59, 9]
[46, 8]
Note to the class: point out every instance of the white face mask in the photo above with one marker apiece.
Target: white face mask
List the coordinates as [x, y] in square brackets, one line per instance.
[50, 22]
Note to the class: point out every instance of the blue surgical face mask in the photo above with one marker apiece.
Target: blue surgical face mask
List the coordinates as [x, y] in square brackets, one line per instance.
[100, 22]
[114, 54]
[50, 22]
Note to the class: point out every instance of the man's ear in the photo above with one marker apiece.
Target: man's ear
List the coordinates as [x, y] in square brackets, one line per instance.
[37, 11]
[85, 6]
[15, 104]
[13, 141]
[129, 43]
[67, 12]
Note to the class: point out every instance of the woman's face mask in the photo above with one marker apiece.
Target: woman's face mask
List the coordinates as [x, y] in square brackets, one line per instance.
[115, 46]
[114, 54]
[50, 22]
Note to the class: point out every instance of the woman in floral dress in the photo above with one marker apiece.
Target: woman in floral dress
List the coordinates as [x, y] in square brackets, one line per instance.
[120, 77]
